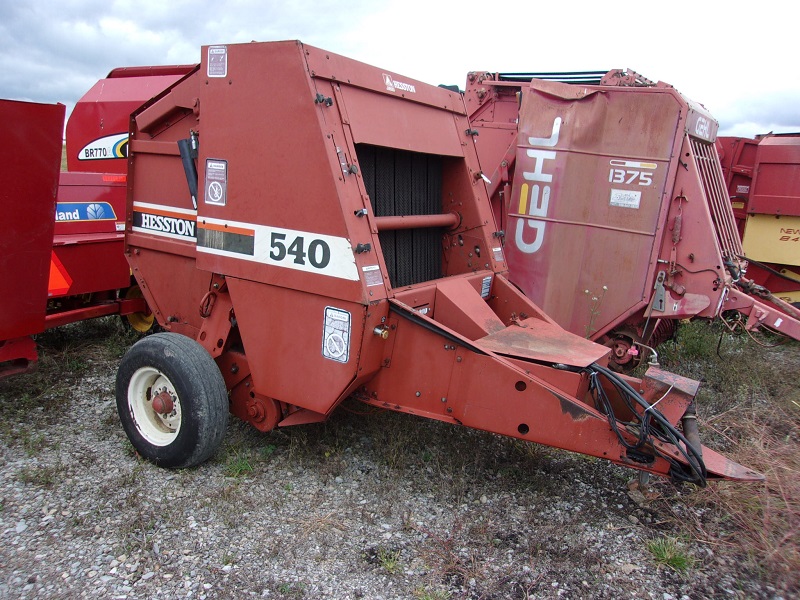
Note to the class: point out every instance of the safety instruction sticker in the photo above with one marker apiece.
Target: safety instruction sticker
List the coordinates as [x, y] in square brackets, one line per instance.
[217, 61]
[486, 286]
[372, 275]
[216, 187]
[626, 198]
[336, 335]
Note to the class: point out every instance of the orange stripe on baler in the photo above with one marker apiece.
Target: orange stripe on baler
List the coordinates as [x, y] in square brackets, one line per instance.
[227, 228]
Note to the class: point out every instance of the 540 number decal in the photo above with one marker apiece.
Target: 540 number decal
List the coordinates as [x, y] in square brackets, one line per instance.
[318, 254]
[278, 247]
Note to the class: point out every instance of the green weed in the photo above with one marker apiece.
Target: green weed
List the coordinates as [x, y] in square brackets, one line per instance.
[389, 560]
[671, 553]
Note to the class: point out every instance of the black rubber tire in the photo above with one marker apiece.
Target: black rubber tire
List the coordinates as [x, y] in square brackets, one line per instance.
[185, 368]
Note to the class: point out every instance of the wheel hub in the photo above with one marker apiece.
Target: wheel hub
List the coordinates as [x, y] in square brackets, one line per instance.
[163, 404]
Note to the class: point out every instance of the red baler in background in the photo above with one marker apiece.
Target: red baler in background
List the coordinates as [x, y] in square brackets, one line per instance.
[763, 181]
[88, 274]
[611, 199]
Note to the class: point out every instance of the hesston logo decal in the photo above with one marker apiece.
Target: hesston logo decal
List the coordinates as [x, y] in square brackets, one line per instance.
[394, 85]
[166, 221]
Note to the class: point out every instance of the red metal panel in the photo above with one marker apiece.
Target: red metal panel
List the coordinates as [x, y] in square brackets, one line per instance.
[90, 203]
[400, 130]
[30, 153]
[776, 179]
[271, 199]
[97, 130]
[287, 354]
[588, 200]
[737, 157]
[95, 262]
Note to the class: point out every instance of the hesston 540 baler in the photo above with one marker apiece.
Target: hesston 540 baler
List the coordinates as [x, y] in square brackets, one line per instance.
[308, 228]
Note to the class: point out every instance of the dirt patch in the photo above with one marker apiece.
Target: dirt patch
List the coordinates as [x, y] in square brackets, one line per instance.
[377, 505]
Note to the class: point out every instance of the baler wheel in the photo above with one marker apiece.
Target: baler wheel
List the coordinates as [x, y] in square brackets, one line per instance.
[172, 400]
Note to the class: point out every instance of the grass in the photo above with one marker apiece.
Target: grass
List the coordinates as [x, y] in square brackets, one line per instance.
[670, 552]
[238, 465]
[749, 406]
[389, 560]
[42, 475]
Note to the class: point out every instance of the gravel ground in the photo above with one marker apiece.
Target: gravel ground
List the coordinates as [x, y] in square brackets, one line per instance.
[372, 506]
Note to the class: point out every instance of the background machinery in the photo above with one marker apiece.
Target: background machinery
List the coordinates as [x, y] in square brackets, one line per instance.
[610, 196]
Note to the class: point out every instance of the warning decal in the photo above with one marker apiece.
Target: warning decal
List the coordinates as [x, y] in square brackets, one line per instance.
[217, 61]
[336, 335]
[60, 281]
[216, 181]
[372, 275]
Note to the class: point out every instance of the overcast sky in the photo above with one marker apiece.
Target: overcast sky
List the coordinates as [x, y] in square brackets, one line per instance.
[737, 58]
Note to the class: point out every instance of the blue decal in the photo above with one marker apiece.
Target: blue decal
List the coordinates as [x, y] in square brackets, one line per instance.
[84, 211]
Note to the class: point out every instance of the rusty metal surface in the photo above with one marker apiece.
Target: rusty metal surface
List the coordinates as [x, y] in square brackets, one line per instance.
[776, 183]
[536, 340]
[567, 203]
[614, 206]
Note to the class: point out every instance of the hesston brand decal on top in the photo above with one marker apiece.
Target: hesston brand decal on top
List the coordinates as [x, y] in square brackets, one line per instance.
[166, 221]
[110, 146]
[393, 85]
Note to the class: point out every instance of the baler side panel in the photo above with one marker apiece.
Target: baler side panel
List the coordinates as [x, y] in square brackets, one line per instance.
[97, 130]
[588, 200]
[776, 179]
[304, 349]
[161, 224]
[30, 154]
[277, 224]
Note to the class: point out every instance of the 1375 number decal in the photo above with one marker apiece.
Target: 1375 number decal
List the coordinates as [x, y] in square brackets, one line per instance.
[317, 252]
[630, 176]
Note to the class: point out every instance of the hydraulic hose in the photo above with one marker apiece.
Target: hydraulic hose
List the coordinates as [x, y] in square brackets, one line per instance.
[690, 449]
